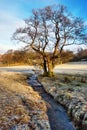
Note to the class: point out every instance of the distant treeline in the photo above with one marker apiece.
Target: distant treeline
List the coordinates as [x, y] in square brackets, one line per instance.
[20, 57]
[81, 55]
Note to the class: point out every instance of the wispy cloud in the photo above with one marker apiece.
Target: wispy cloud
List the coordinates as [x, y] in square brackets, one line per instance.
[12, 13]
[8, 24]
[85, 23]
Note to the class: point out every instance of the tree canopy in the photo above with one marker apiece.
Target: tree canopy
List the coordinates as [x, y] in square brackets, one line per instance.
[50, 29]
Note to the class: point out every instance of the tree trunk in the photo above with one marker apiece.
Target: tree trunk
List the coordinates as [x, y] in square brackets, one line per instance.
[45, 67]
[50, 69]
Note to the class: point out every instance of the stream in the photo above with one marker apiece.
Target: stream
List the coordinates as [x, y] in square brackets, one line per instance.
[57, 115]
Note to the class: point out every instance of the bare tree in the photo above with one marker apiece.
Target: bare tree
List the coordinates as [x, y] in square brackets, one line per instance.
[48, 30]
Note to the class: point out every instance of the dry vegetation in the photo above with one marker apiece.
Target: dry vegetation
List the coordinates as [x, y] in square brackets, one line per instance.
[20, 105]
[70, 91]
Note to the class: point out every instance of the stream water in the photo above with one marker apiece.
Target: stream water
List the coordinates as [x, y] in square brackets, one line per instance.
[57, 115]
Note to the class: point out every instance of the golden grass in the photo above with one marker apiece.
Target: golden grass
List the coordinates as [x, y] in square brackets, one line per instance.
[17, 99]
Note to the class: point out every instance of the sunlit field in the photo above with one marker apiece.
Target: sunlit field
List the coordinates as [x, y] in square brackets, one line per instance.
[72, 68]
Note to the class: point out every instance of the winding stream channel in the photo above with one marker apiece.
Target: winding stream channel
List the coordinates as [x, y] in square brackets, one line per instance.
[56, 113]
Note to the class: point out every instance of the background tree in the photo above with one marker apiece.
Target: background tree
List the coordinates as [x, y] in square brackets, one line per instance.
[7, 57]
[49, 30]
[81, 55]
[20, 57]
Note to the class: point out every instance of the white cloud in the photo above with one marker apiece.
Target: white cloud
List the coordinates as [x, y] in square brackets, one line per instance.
[8, 24]
[86, 23]
[10, 13]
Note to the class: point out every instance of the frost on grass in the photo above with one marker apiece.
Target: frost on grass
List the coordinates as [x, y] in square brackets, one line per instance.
[20, 106]
[70, 91]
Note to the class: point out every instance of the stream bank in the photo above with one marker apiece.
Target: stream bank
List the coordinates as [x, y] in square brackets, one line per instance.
[71, 92]
[56, 113]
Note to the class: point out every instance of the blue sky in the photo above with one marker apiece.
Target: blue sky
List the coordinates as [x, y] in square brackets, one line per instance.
[12, 13]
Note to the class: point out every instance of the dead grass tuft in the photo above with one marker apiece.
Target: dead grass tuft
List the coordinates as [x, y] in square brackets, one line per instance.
[14, 91]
